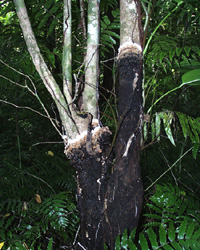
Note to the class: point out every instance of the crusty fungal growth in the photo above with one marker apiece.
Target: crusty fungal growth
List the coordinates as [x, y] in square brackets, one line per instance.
[81, 141]
[129, 47]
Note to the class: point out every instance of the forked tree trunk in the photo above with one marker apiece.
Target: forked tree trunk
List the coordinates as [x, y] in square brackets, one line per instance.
[110, 195]
[109, 192]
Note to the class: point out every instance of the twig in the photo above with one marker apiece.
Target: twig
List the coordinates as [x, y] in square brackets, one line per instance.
[168, 169]
[24, 107]
[76, 235]
[48, 142]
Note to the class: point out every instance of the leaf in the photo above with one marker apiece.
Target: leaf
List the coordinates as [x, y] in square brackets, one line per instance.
[195, 150]
[178, 51]
[167, 120]
[193, 127]
[43, 20]
[124, 243]
[55, 7]
[111, 33]
[153, 130]
[162, 235]
[171, 232]
[131, 245]
[158, 122]
[176, 246]
[106, 20]
[117, 243]
[109, 39]
[116, 13]
[171, 53]
[1, 244]
[192, 77]
[190, 231]
[50, 244]
[152, 237]
[182, 120]
[187, 50]
[48, 4]
[167, 247]
[190, 64]
[50, 153]
[143, 242]
[196, 235]
[38, 198]
[182, 229]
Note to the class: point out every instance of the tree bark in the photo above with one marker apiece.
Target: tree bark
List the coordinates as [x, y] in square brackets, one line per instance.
[109, 194]
[125, 191]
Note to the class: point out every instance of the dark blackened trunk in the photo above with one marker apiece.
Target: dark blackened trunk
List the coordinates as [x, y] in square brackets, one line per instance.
[110, 201]
[92, 179]
[125, 191]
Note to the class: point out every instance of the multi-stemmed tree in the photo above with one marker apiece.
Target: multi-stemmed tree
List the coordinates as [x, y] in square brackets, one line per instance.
[109, 187]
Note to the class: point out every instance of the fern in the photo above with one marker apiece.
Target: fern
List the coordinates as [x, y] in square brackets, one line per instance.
[189, 125]
[109, 31]
[174, 223]
[182, 237]
[24, 222]
[169, 203]
[190, 128]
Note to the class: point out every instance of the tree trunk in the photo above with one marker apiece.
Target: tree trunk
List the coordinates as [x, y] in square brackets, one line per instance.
[109, 192]
[110, 196]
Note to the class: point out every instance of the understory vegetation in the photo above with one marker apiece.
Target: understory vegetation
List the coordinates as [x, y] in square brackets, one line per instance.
[37, 183]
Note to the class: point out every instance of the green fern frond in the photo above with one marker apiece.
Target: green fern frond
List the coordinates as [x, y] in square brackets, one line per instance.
[109, 35]
[167, 237]
[58, 212]
[169, 203]
[175, 223]
[190, 128]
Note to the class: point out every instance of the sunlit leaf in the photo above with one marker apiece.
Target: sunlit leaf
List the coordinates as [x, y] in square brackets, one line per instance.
[50, 153]
[192, 77]
[1, 244]
[38, 198]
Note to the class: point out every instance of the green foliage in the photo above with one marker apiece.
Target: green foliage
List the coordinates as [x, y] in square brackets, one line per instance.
[30, 164]
[190, 127]
[109, 31]
[167, 118]
[31, 222]
[173, 223]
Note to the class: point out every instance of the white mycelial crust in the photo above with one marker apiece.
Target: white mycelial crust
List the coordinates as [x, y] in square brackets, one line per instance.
[78, 138]
[128, 145]
[84, 133]
[95, 122]
[95, 130]
[129, 44]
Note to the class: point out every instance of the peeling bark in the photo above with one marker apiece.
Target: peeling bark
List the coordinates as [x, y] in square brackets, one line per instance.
[110, 196]
[125, 191]
[92, 177]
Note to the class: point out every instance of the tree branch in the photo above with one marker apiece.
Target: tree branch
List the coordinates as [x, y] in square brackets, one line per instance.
[90, 97]
[43, 70]
[67, 55]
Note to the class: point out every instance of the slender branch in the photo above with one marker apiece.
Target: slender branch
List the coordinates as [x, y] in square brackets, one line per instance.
[36, 177]
[34, 94]
[24, 107]
[83, 25]
[168, 169]
[47, 142]
[90, 97]
[43, 70]
[170, 91]
[153, 33]
[67, 55]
